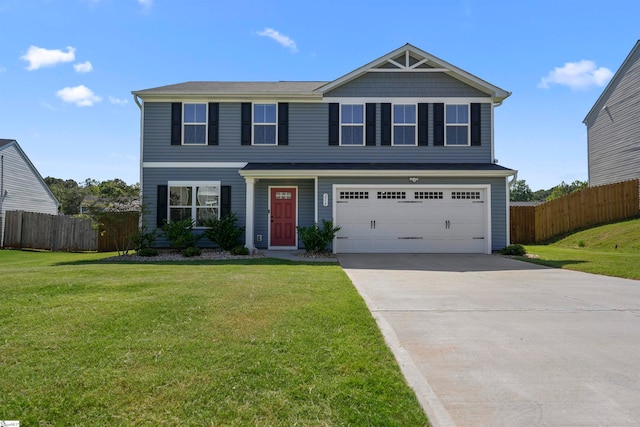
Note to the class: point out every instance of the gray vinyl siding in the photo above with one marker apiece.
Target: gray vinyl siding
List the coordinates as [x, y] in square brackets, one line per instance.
[308, 141]
[306, 206]
[405, 85]
[25, 190]
[614, 133]
[498, 198]
[152, 177]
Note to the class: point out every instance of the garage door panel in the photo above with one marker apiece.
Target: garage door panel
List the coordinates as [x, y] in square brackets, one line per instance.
[406, 220]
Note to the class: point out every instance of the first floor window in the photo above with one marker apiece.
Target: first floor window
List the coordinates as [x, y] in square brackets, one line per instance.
[404, 124]
[195, 124]
[198, 201]
[457, 121]
[264, 124]
[352, 124]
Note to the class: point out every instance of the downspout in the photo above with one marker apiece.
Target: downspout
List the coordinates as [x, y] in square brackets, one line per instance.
[3, 193]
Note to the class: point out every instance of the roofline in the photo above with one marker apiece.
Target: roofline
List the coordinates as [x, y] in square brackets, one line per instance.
[496, 93]
[313, 173]
[228, 97]
[33, 168]
[596, 106]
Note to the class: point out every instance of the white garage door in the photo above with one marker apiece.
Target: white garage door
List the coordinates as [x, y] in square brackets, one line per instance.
[412, 220]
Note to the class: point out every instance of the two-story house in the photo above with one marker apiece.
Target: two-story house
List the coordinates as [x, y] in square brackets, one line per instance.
[398, 153]
[613, 126]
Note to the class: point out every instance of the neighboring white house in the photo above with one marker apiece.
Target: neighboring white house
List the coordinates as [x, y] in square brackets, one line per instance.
[21, 186]
[613, 126]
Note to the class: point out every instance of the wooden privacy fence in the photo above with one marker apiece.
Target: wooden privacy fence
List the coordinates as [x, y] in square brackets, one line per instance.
[584, 208]
[52, 232]
[118, 231]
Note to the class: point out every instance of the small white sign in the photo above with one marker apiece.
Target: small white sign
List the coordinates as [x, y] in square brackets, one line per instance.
[325, 199]
[12, 423]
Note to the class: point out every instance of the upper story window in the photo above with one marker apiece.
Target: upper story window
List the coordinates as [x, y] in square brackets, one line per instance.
[264, 124]
[404, 124]
[457, 124]
[194, 124]
[351, 124]
[198, 201]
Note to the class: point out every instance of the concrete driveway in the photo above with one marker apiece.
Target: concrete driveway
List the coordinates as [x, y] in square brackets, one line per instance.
[490, 341]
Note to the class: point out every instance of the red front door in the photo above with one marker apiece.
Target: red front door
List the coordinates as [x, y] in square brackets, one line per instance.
[283, 217]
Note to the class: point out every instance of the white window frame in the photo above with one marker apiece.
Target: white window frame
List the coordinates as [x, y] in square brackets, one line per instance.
[468, 125]
[254, 124]
[205, 123]
[414, 125]
[362, 125]
[194, 206]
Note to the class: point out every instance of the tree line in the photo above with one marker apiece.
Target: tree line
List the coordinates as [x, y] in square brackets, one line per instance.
[520, 191]
[70, 193]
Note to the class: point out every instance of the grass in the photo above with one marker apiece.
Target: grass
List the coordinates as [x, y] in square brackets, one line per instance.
[611, 250]
[226, 343]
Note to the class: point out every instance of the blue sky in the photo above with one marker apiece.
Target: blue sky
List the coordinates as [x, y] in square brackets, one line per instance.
[67, 67]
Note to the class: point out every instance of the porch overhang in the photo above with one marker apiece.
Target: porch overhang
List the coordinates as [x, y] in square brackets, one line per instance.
[316, 170]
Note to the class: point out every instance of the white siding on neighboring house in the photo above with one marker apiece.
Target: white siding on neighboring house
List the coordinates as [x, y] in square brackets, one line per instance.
[22, 186]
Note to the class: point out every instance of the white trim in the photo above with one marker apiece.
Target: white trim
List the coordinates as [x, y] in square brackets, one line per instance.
[205, 124]
[508, 208]
[269, 246]
[194, 206]
[407, 100]
[310, 174]
[315, 192]
[211, 165]
[362, 125]
[141, 105]
[468, 125]
[254, 124]
[414, 125]
[249, 213]
[411, 69]
[485, 187]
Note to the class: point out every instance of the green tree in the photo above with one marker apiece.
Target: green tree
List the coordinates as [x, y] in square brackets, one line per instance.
[564, 189]
[68, 192]
[520, 192]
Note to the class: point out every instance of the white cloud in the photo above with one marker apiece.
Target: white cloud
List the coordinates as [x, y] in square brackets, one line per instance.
[38, 57]
[118, 101]
[285, 41]
[146, 3]
[83, 67]
[577, 75]
[3, 70]
[81, 95]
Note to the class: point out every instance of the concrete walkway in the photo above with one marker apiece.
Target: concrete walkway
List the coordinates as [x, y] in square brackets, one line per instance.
[490, 341]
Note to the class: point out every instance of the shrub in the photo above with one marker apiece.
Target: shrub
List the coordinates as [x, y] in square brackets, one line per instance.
[581, 244]
[315, 239]
[144, 239]
[191, 251]
[180, 233]
[517, 250]
[147, 252]
[224, 232]
[240, 250]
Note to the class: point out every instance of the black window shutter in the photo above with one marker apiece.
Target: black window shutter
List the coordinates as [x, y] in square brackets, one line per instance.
[475, 124]
[423, 120]
[245, 112]
[214, 114]
[225, 200]
[385, 123]
[334, 123]
[283, 123]
[370, 121]
[438, 124]
[161, 205]
[176, 123]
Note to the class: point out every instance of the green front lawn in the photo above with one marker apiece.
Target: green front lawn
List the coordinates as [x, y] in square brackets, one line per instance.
[611, 250]
[256, 342]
